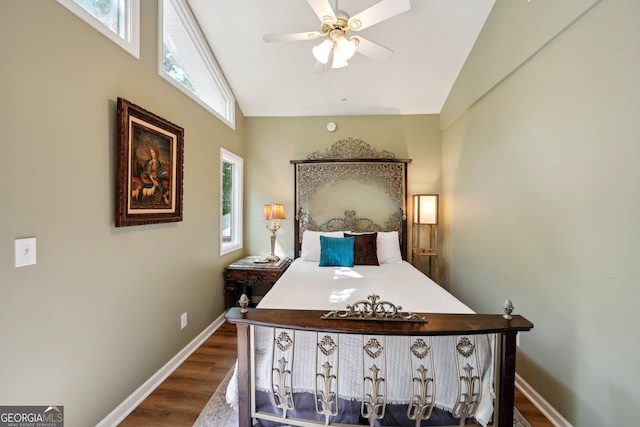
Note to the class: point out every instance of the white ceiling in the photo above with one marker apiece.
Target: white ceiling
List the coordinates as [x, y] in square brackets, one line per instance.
[430, 42]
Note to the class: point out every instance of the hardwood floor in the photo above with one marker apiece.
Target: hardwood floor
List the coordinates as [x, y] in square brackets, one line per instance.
[530, 412]
[181, 397]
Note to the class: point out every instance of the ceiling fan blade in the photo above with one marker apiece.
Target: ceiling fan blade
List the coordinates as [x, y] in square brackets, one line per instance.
[292, 37]
[372, 50]
[377, 13]
[323, 11]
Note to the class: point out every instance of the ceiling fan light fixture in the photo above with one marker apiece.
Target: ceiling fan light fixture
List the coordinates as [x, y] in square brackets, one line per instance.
[336, 25]
[339, 60]
[346, 47]
[321, 52]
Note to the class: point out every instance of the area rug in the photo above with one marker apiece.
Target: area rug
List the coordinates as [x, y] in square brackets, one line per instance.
[218, 413]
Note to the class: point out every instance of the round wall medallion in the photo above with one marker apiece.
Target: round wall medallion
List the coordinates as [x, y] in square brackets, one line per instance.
[331, 126]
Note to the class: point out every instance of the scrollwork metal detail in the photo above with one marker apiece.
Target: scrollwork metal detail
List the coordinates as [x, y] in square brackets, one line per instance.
[389, 176]
[351, 160]
[283, 341]
[469, 381]
[351, 148]
[374, 309]
[469, 394]
[373, 348]
[420, 349]
[326, 398]
[351, 222]
[282, 393]
[422, 400]
[465, 347]
[374, 402]
[327, 345]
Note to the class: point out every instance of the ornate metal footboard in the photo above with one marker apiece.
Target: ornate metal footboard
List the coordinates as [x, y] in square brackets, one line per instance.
[420, 338]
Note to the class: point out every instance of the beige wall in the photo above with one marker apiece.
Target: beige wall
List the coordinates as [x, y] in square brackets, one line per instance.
[99, 313]
[514, 31]
[542, 199]
[273, 142]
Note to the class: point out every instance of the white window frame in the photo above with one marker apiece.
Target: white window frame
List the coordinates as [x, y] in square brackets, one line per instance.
[236, 202]
[129, 9]
[189, 23]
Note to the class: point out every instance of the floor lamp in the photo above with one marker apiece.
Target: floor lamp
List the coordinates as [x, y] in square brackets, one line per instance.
[425, 233]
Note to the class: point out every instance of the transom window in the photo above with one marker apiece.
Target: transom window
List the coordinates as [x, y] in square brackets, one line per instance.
[118, 20]
[186, 61]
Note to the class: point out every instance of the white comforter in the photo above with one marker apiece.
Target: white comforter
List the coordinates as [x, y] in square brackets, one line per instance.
[307, 286]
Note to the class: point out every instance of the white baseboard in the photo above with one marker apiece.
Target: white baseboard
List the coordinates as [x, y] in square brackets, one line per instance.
[130, 403]
[542, 405]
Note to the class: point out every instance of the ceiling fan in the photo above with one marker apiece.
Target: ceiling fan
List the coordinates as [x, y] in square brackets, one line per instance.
[336, 26]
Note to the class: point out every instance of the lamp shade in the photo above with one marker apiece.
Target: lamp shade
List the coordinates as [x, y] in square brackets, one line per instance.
[346, 47]
[341, 47]
[321, 52]
[425, 208]
[274, 211]
[338, 60]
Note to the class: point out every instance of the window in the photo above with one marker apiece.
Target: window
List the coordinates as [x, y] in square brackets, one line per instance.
[186, 61]
[118, 20]
[230, 202]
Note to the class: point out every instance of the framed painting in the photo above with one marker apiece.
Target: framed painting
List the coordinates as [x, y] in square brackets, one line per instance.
[149, 167]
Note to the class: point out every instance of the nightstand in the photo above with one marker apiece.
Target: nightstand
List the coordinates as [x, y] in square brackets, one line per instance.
[248, 272]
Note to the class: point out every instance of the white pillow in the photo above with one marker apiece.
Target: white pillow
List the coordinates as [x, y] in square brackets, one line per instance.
[388, 245]
[311, 243]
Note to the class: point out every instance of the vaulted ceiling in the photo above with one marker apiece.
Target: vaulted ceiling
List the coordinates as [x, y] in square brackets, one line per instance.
[430, 42]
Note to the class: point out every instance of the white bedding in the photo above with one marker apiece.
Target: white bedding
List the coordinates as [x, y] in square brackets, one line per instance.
[306, 286]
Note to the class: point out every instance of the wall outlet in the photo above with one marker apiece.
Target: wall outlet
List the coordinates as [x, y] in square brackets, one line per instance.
[183, 320]
[517, 339]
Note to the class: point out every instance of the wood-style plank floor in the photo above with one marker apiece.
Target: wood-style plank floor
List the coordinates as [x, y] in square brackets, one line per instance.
[181, 397]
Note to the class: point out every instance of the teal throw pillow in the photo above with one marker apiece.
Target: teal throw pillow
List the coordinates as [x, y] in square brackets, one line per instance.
[336, 251]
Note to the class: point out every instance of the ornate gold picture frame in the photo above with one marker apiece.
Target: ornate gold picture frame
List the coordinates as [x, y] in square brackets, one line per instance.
[149, 167]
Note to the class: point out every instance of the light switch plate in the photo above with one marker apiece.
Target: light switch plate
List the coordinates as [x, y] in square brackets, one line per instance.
[25, 252]
[183, 321]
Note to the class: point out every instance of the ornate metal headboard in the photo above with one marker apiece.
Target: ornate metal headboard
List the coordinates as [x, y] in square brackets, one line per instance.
[335, 186]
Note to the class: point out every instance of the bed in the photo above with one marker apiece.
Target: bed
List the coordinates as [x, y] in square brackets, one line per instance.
[352, 333]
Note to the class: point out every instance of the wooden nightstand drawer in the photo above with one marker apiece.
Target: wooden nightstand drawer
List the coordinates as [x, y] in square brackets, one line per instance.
[246, 273]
